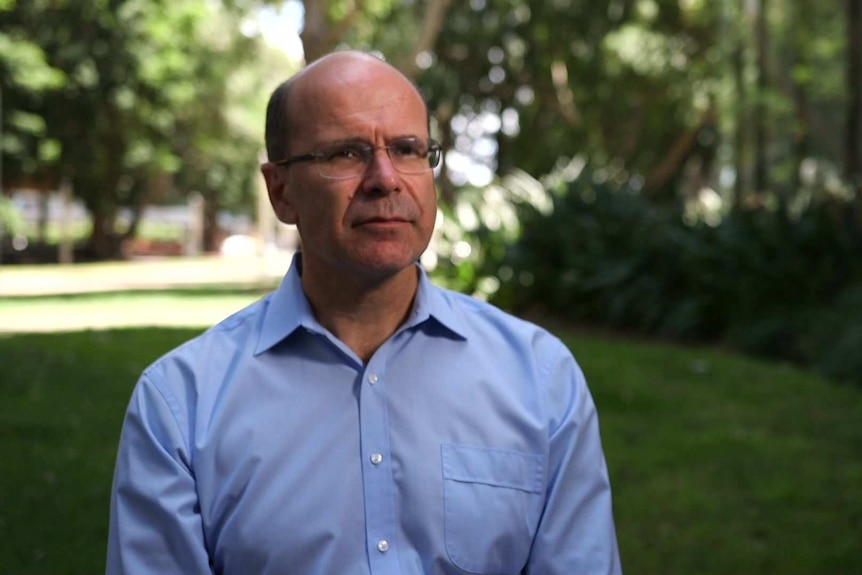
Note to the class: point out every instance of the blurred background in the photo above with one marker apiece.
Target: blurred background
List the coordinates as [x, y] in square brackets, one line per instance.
[673, 186]
[680, 168]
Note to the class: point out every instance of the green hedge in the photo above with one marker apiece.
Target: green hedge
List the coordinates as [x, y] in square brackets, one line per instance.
[780, 282]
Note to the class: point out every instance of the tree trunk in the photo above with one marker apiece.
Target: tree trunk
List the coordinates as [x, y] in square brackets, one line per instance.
[99, 242]
[320, 35]
[740, 140]
[432, 24]
[103, 243]
[42, 222]
[315, 36]
[211, 231]
[853, 136]
[800, 20]
[447, 189]
[761, 168]
[661, 175]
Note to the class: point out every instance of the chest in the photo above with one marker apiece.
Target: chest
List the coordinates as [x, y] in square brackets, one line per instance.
[327, 467]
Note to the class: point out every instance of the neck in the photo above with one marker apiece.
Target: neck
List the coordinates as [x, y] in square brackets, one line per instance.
[362, 314]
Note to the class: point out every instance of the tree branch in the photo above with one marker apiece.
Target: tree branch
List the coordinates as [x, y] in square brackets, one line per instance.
[432, 24]
[673, 159]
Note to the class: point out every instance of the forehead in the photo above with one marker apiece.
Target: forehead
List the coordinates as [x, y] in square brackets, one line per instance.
[353, 98]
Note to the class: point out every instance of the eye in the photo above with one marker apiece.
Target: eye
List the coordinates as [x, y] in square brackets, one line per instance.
[408, 148]
[345, 153]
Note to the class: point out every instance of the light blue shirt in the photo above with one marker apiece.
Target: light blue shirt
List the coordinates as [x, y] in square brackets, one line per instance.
[468, 443]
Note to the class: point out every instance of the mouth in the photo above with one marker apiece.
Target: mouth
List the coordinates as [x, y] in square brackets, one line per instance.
[381, 222]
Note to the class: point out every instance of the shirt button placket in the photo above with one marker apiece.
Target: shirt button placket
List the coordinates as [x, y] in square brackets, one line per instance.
[377, 477]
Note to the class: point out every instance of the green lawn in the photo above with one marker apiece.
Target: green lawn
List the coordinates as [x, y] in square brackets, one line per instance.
[727, 465]
[166, 307]
[720, 464]
[80, 230]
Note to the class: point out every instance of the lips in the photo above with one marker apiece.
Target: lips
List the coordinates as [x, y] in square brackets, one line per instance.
[380, 222]
[383, 213]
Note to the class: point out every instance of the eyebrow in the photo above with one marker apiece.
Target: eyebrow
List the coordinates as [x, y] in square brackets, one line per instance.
[344, 141]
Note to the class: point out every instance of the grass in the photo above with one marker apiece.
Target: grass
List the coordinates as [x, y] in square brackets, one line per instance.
[720, 464]
[727, 465]
[164, 307]
[79, 230]
[64, 398]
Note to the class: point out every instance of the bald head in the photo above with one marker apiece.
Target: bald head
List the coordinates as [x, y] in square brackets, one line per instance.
[345, 70]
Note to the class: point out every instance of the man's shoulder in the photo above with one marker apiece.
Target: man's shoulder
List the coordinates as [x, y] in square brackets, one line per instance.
[481, 316]
[509, 341]
[232, 335]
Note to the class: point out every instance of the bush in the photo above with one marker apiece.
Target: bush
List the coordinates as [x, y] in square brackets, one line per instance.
[833, 337]
[759, 279]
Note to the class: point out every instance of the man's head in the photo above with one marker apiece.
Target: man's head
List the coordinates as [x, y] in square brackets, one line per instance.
[374, 219]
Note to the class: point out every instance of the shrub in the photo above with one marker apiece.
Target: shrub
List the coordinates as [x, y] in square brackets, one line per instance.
[760, 279]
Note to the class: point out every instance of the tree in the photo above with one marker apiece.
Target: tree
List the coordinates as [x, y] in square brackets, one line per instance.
[363, 24]
[761, 34]
[136, 78]
[853, 130]
[528, 85]
[25, 75]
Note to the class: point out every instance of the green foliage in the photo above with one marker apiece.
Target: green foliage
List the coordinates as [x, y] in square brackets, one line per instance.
[618, 80]
[476, 229]
[132, 99]
[11, 222]
[25, 65]
[833, 337]
[762, 280]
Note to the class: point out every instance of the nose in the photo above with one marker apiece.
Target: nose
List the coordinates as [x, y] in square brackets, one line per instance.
[381, 177]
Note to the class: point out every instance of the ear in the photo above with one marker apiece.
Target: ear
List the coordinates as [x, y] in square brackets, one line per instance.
[279, 197]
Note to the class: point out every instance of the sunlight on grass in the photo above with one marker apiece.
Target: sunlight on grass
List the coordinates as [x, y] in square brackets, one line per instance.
[169, 308]
[181, 292]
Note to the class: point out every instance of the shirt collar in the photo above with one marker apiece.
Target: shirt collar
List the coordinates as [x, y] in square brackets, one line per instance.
[432, 303]
[288, 309]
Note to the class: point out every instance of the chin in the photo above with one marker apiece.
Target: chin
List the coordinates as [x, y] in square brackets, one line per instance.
[385, 263]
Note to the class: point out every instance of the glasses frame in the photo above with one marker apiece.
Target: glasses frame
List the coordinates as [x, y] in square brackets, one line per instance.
[434, 151]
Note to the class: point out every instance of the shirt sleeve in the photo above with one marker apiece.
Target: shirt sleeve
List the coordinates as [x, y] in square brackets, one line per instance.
[576, 533]
[155, 521]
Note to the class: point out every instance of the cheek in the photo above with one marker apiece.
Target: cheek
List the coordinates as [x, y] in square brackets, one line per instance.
[321, 210]
[429, 214]
[429, 204]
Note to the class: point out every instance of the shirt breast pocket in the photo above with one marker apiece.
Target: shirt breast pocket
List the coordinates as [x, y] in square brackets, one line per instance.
[492, 504]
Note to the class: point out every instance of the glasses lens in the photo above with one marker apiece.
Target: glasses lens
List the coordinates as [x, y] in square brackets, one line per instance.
[413, 156]
[433, 154]
[346, 160]
[349, 160]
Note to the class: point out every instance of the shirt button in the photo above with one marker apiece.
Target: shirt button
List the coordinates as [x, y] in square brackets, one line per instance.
[383, 545]
[376, 458]
[372, 379]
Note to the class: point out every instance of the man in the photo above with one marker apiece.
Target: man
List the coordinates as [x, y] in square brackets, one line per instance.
[359, 419]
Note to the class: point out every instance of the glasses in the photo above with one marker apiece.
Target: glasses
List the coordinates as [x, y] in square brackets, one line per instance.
[346, 160]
